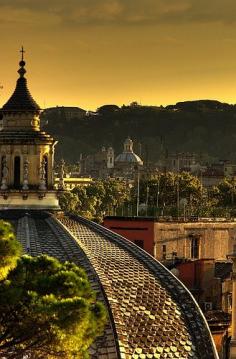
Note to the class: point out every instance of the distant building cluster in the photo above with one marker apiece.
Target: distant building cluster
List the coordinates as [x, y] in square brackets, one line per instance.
[105, 164]
[209, 174]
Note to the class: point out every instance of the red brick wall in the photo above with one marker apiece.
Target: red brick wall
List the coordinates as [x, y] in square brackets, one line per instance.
[133, 230]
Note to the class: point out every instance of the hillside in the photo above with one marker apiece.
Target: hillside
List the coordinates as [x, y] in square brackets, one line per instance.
[205, 127]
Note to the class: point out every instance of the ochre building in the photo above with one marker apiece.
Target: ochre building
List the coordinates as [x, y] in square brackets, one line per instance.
[26, 153]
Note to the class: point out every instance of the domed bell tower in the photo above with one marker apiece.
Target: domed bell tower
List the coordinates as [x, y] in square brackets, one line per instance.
[26, 152]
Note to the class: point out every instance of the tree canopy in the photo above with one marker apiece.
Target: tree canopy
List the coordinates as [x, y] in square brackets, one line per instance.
[164, 188]
[193, 126]
[10, 249]
[97, 199]
[170, 194]
[48, 308]
[225, 192]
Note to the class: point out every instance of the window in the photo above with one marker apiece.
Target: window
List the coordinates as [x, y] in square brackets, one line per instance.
[139, 243]
[164, 251]
[229, 302]
[195, 244]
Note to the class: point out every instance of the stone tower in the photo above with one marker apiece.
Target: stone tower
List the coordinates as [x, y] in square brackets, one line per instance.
[26, 152]
[110, 158]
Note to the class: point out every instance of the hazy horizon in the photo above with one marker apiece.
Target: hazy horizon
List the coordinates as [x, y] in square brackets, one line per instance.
[91, 53]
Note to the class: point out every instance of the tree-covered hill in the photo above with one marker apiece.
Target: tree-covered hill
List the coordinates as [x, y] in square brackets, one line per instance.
[205, 127]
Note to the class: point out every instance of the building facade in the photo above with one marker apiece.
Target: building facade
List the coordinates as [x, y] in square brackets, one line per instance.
[104, 163]
[26, 152]
[184, 240]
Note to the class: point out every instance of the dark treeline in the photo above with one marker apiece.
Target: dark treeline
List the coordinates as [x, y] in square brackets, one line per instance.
[207, 128]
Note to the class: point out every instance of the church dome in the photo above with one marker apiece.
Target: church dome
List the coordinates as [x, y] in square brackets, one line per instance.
[128, 155]
[129, 158]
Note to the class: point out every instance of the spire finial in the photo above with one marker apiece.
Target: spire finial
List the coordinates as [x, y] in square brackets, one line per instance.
[22, 70]
[22, 53]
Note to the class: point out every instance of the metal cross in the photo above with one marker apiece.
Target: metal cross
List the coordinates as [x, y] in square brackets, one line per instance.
[22, 53]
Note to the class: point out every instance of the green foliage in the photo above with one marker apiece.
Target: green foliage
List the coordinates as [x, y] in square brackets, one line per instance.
[225, 192]
[166, 189]
[97, 199]
[68, 202]
[10, 249]
[48, 310]
[167, 193]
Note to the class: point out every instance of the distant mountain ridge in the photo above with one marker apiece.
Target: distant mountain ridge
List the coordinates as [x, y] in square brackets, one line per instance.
[205, 127]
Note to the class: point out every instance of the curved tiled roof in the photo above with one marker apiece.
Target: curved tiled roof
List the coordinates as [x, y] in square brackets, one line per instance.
[128, 157]
[21, 99]
[152, 315]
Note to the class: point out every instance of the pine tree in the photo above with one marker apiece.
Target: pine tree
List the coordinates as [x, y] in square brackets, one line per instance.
[48, 308]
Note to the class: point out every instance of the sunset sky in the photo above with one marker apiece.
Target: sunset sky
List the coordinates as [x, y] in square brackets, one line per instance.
[88, 53]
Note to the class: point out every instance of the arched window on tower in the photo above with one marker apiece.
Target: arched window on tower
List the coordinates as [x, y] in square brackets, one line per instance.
[17, 172]
[45, 158]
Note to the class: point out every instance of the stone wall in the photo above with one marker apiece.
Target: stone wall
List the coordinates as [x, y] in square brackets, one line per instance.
[215, 239]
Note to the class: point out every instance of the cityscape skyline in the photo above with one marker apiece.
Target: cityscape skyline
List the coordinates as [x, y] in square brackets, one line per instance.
[88, 54]
[129, 253]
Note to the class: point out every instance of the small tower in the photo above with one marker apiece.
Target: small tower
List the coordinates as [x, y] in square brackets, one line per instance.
[26, 152]
[110, 158]
[128, 145]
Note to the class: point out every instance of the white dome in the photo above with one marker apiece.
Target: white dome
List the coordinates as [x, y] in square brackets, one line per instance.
[129, 157]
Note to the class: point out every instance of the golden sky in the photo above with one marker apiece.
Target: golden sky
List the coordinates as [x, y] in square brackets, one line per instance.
[88, 53]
